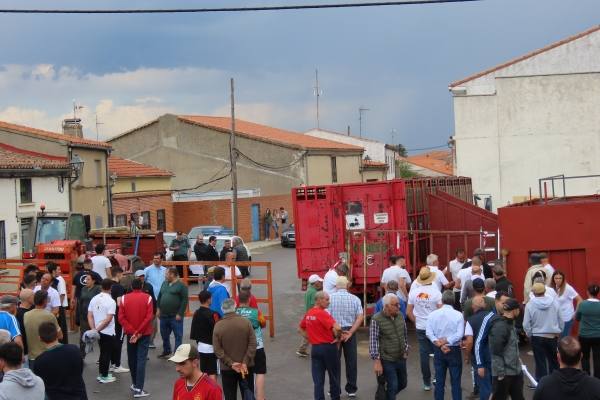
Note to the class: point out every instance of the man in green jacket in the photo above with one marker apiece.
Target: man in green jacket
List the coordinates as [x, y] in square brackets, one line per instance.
[172, 304]
[507, 374]
[315, 283]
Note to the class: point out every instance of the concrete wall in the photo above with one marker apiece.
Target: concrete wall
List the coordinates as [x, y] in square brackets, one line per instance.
[196, 155]
[370, 175]
[89, 194]
[390, 160]
[126, 204]
[218, 212]
[43, 190]
[533, 127]
[123, 185]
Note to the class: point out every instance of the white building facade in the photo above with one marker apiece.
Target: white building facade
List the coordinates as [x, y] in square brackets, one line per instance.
[376, 151]
[531, 118]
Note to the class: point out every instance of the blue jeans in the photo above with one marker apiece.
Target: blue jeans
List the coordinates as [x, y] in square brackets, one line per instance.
[136, 355]
[267, 230]
[324, 357]
[567, 329]
[350, 361]
[425, 349]
[168, 325]
[485, 383]
[395, 376]
[443, 362]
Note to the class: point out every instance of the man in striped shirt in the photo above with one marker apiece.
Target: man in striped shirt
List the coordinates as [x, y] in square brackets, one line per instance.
[347, 311]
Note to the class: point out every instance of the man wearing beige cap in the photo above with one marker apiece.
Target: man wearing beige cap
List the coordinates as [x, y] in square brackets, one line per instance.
[347, 311]
[543, 324]
[424, 298]
[193, 383]
[315, 283]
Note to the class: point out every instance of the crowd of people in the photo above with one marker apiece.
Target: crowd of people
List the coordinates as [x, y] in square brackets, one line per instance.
[274, 220]
[112, 307]
[464, 314]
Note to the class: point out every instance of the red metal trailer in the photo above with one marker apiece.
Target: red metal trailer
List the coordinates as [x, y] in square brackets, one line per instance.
[366, 223]
[566, 228]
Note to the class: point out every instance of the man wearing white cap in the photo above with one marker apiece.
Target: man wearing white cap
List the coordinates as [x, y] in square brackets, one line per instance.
[346, 309]
[315, 283]
[193, 383]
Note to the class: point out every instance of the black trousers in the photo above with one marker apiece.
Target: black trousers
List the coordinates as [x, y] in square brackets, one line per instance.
[180, 267]
[62, 322]
[511, 386]
[590, 345]
[231, 381]
[115, 354]
[106, 347]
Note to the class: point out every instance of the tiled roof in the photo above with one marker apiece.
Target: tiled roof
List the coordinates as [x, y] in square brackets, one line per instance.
[341, 134]
[15, 158]
[526, 56]
[439, 161]
[268, 134]
[129, 168]
[52, 135]
[373, 164]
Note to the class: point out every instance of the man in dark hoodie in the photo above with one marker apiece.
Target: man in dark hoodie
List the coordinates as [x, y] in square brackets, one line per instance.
[18, 382]
[507, 374]
[569, 382]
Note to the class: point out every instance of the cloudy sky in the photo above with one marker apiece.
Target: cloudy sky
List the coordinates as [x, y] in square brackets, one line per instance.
[395, 61]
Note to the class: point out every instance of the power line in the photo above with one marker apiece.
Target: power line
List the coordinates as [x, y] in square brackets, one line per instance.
[229, 9]
[271, 167]
[429, 148]
[212, 179]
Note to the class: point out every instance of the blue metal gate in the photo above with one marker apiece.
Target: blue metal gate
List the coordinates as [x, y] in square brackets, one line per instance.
[255, 222]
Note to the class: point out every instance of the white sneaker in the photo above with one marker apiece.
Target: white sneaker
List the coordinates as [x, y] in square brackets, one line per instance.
[120, 370]
[133, 388]
[141, 393]
[106, 379]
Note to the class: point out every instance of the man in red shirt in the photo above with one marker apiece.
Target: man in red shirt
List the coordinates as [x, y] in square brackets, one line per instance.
[193, 384]
[323, 333]
[136, 312]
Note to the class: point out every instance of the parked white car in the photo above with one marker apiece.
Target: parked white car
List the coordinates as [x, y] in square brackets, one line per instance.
[168, 238]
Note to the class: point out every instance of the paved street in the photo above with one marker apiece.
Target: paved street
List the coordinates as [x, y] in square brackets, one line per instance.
[288, 376]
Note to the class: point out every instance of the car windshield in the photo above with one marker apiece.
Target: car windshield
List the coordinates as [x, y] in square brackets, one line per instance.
[49, 229]
[168, 239]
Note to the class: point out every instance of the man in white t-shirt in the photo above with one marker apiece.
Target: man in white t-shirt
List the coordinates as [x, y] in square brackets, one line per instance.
[397, 272]
[423, 298]
[454, 267]
[101, 263]
[466, 277]
[53, 305]
[101, 317]
[440, 281]
[61, 286]
[548, 268]
[331, 276]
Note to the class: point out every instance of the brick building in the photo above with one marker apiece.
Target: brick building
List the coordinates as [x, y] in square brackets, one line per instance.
[141, 192]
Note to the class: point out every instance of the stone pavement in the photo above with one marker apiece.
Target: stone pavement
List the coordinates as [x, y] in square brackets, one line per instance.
[288, 376]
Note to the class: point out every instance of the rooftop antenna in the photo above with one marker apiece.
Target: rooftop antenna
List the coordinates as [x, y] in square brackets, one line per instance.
[361, 110]
[76, 107]
[97, 124]
[393, 132]
[318, 92]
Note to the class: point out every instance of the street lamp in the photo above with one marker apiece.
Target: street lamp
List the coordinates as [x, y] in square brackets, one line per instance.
[76, 167]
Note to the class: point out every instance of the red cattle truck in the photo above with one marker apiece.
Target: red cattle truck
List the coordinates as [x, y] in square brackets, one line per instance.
[365, 223]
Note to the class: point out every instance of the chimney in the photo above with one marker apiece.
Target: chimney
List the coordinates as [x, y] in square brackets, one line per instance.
[72, 127]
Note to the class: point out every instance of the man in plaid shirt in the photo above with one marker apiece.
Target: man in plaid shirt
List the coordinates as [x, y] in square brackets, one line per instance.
[347, 311]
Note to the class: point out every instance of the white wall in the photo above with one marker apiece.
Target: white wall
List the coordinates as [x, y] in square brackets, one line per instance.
[44, 190]
[374, 149]
[532, 120]
[390, 160]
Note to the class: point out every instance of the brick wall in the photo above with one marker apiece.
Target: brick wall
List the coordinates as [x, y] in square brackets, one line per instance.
[218, 212]
[138, 202]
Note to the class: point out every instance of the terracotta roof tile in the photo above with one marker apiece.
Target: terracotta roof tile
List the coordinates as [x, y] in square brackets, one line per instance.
[439, 161]
[268, 134]
[52, 135]
[526, 56]
[15, 158]
[374, 164]
[129, 168]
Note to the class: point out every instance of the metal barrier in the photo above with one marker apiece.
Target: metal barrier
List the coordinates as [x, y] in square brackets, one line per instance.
[13, 280]
[268, 282]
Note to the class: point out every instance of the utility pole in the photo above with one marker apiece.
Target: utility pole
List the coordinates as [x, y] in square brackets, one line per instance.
[361, 110]
[232, 160]
[318, 93]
